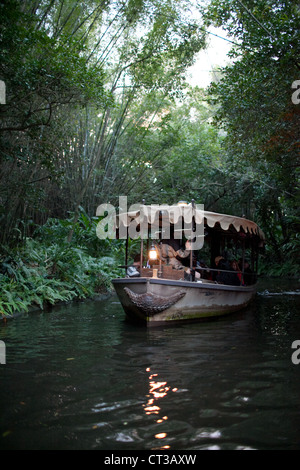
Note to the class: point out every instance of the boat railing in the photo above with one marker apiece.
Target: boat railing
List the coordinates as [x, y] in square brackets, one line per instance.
[178, 273]
[232, 271]
[197, 268]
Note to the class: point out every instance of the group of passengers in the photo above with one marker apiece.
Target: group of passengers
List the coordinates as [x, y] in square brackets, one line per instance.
[232, 273]
[171, 253]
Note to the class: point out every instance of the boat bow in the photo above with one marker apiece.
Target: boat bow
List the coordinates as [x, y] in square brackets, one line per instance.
[150, 303]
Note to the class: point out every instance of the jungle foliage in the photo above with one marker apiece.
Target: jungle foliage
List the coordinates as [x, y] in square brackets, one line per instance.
[262, 122]
[97, 106]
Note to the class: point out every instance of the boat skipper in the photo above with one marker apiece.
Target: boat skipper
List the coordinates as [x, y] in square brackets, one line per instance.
[171, 253]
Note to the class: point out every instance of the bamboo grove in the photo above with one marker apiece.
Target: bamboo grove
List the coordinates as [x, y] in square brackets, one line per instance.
[98, 105]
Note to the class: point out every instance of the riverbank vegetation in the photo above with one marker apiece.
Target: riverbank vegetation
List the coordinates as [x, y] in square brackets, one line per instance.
[46, 269]
[97, 106]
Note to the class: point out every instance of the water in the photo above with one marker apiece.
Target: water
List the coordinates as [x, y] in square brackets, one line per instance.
[80, 377]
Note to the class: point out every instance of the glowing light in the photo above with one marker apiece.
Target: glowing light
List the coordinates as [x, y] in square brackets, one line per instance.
[152, 410]
[161, 420]
[153, 375]
[152, 253]
[158, 390]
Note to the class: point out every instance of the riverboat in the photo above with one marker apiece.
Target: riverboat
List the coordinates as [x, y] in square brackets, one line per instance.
[160, 292]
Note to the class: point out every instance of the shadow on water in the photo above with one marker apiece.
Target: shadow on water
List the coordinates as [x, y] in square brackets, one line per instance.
[80, 377]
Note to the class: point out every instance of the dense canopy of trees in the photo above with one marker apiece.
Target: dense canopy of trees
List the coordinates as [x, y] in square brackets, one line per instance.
[255, 107]
[97, 106]
[76, 74]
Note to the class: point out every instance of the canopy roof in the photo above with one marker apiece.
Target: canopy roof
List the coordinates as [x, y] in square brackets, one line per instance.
[154, 214]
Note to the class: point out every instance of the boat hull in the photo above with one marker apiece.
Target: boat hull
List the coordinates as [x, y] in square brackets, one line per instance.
[154, 301]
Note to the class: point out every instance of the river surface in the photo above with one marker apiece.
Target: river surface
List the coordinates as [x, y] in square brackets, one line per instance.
[79, 377]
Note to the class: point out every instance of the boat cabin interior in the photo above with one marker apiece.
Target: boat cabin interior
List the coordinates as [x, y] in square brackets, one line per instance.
[225, 239]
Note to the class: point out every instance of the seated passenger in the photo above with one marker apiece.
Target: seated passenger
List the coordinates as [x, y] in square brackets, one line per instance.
[170, 253]
[235, 267]
[229, 278]
[249, 276]
[205, 271]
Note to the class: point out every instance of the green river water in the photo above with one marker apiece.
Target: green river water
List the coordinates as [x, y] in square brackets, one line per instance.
[80, 377]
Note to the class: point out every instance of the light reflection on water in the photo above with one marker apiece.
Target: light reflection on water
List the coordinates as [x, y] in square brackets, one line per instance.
[157, 391]
[79, 377]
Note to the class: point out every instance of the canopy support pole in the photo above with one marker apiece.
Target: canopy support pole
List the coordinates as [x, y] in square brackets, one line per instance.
[243, 263]
[142, 241]
[160, 244]
[192, 231]
[126, 251]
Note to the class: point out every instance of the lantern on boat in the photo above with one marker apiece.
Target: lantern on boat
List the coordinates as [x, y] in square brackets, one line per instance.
[152, 253]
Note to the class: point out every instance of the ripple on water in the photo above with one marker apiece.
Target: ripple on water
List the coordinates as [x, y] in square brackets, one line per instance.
[79, 377]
